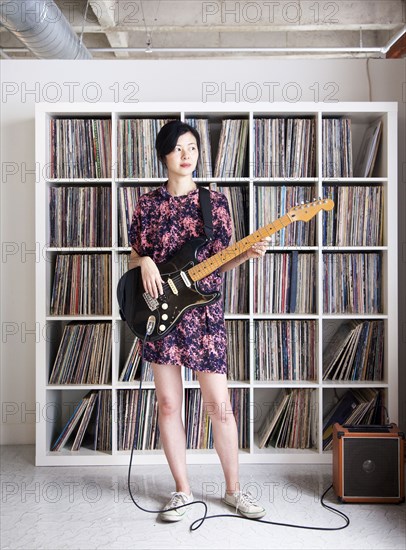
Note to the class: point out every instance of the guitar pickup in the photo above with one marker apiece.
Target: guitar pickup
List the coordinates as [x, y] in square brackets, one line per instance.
[172, 286]
[185, 279]
[151, 302]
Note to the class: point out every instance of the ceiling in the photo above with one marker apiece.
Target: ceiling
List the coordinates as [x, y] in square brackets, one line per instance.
[167, 29]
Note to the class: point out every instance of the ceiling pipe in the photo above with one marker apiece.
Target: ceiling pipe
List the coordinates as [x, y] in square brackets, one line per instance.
[319, 50]
[242, 50]
[4, 55]
[42, 28]
[394, 39]
[220, 50]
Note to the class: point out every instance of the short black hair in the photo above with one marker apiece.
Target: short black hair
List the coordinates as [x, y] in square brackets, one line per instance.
[168, 135]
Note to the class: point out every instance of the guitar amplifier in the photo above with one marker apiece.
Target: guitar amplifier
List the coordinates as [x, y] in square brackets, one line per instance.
[368, 463]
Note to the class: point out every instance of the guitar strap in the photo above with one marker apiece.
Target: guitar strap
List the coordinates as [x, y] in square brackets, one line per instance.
[204, 198]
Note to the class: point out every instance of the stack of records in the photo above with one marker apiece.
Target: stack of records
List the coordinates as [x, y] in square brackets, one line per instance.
[291, 422]
[80, 148]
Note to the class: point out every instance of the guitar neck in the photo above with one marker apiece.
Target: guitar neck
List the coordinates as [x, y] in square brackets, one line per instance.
[203, 269]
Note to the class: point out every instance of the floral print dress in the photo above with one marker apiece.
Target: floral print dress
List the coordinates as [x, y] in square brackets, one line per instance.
[160, 226]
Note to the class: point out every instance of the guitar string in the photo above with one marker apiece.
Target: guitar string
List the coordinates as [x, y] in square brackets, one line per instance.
[199, 268]
[261, 233]
[270, 229]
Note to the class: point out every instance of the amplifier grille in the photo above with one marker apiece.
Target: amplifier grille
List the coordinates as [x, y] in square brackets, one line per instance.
[371, 467]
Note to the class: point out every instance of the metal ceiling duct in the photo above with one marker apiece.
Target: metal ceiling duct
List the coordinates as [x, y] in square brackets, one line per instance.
[41, 26]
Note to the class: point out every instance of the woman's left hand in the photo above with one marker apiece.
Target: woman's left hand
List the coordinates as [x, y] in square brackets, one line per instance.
[259, 249]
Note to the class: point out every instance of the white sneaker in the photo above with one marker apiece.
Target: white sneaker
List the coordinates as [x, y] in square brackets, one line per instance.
[177, 499]
[245, 504]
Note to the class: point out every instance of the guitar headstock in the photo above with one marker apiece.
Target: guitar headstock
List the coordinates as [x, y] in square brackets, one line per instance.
[305, 212]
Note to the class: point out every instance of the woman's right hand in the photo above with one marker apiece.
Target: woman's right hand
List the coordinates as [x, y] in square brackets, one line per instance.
[151, 277]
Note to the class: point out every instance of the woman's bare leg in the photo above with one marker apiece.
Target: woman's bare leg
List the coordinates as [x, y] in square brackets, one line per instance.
[217, 403]
[169, 390]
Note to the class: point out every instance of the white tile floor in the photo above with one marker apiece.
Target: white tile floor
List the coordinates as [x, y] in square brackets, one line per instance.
[87, 507]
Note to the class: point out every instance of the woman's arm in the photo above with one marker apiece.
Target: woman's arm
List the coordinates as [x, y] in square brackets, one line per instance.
[135, 259]
[257, 250]
[151, 277]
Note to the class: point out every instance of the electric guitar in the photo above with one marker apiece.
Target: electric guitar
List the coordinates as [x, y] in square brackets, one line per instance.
[155, 318]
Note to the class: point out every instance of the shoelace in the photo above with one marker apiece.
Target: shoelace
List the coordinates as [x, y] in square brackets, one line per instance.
[243, 498]
[177, 500]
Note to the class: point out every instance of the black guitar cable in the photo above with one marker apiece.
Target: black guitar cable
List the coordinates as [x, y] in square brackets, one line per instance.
[199, 522]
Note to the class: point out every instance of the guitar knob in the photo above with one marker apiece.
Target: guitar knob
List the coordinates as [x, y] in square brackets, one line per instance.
[165, 306]
[164, 317]
[162, 328]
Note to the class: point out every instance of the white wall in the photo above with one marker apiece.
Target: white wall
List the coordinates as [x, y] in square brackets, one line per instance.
[23, 83]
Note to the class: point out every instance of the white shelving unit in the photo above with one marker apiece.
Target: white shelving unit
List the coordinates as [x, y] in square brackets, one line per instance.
[56, 402]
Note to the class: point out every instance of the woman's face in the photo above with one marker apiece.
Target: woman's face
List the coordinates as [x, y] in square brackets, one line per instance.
[183, 159]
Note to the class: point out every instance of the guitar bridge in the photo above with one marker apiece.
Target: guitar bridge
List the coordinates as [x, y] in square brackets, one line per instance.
[151, 302]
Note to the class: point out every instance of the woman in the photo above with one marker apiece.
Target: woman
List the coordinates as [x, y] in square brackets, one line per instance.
[163, 221]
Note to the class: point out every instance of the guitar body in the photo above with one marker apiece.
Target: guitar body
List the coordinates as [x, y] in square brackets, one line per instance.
[180, 294]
